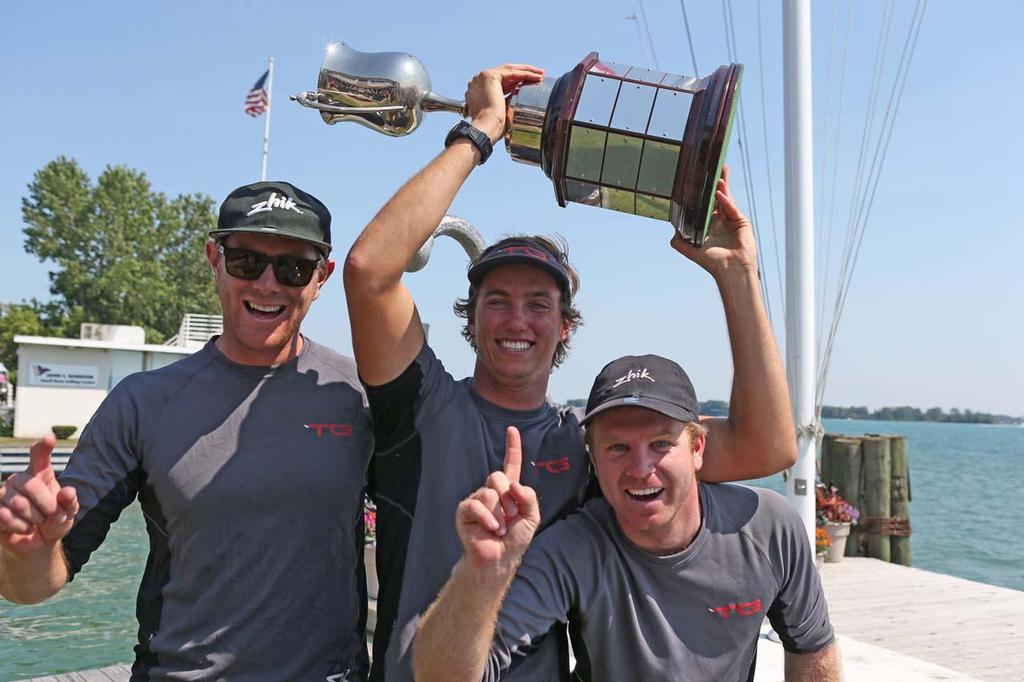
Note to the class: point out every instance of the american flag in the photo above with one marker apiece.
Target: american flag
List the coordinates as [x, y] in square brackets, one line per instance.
[256, 100]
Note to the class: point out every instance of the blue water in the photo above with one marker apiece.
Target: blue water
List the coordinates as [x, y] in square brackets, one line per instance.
[966, 514]
[967, 505]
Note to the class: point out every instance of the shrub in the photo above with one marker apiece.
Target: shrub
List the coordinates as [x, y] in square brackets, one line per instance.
[63, 432]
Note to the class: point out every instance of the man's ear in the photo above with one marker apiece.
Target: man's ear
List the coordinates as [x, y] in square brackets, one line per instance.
[698, 451]
[212, 255]
[327, 272]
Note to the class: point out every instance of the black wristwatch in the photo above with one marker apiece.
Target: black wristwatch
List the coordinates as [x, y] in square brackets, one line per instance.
[477, 137]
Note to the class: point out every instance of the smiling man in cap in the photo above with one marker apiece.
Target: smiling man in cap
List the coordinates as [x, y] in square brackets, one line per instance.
[437, 437]
[667, 577]
[248, 459]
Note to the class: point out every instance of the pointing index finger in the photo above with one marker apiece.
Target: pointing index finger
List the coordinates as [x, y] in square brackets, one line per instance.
[513, 454]
[39, 454]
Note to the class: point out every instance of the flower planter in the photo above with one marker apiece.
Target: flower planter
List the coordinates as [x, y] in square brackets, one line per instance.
[838, 532]
[370, 561]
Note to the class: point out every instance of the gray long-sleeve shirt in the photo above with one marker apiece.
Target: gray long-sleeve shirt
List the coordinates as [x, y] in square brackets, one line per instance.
[250, 479]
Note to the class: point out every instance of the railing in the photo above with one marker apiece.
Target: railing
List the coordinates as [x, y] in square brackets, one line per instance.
[196, 330]
[15, 460]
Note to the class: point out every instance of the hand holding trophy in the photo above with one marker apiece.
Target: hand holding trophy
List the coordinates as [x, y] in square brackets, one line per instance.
[608, 135]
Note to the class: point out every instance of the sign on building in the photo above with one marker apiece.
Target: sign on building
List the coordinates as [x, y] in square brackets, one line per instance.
[46, 374]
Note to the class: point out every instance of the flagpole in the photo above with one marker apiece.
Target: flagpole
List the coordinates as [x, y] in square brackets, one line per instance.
[266, 124]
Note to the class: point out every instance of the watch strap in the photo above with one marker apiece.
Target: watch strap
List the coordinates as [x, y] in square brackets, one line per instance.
[464, 129]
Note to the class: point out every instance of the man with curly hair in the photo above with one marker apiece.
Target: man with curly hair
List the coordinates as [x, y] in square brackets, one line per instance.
[437, 438]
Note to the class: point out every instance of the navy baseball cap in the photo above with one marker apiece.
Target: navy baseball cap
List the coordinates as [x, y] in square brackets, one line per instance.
[276, 208]
[521, 250]
[649, 381]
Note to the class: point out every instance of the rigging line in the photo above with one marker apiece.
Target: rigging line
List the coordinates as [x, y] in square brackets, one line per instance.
[822, 169]
[867, 134]
[767, 162]
[730, 39]
[888, 125]
[836, 155]
[861, 196]
[647, 30]
[689, 39]
[896, 97]
[640, 32]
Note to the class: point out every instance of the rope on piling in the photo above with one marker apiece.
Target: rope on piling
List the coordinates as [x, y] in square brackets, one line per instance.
[885, 525]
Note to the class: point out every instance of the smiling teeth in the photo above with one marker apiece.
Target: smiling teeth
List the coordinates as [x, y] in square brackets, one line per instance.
[266, 308]
[643, 491]
[515, 345]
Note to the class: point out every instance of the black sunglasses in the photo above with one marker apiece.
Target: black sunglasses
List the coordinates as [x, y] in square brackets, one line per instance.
[291, 271]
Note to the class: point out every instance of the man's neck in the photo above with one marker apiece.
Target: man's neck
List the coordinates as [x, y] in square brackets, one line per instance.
[529, 395]
[235, 352]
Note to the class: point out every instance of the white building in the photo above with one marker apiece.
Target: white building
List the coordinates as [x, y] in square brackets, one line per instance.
[63, 381]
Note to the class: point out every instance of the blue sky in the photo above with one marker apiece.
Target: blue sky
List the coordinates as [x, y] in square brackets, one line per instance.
[934, 314]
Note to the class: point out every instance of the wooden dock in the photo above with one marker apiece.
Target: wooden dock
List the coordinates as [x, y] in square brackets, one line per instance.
[115, 673]
[971, 628]
[895, 623]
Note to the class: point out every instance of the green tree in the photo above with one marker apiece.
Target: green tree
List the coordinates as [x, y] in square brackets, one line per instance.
[125, 254]
[33, 319]
[16, 319]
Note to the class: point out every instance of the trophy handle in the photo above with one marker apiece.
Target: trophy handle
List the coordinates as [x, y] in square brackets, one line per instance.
[435, 102]
[456, 228]
[313, 100]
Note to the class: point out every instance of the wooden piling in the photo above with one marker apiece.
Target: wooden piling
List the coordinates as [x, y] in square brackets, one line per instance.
[899, 543]
[877, 470]
[827, 466]
[844, 467]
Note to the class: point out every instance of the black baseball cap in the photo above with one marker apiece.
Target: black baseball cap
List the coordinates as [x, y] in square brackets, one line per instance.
[520, 250]
[649, 381]
[276, 208]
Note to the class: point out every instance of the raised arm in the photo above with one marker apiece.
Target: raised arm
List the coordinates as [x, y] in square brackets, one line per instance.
[35, 514]
[495, 525]
[758, 438]
[386, 330]
[820, 666]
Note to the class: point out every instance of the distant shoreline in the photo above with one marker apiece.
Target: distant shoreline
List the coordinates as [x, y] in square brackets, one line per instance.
[934, 415]
[914, 414]
[1015, 421]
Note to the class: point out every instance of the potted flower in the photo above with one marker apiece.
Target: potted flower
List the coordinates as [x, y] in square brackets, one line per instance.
[835, 515]
[370, 546]
[822, 543]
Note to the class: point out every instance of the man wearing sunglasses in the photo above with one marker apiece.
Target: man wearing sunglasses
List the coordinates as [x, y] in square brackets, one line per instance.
[248, 459]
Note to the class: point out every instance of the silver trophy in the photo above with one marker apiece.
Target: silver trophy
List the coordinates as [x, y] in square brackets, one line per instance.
[386, 91]
[609, 135]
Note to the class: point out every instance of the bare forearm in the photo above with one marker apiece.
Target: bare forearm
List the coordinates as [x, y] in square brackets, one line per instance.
[760, 437]
[455, 634]
[32, 578]
[821, 666]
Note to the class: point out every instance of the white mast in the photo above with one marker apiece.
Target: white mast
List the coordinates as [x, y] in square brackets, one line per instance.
[800, 343]
[266, 123]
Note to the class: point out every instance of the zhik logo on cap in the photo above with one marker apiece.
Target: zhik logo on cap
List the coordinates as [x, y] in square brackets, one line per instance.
[272, 202]
[632, 375]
